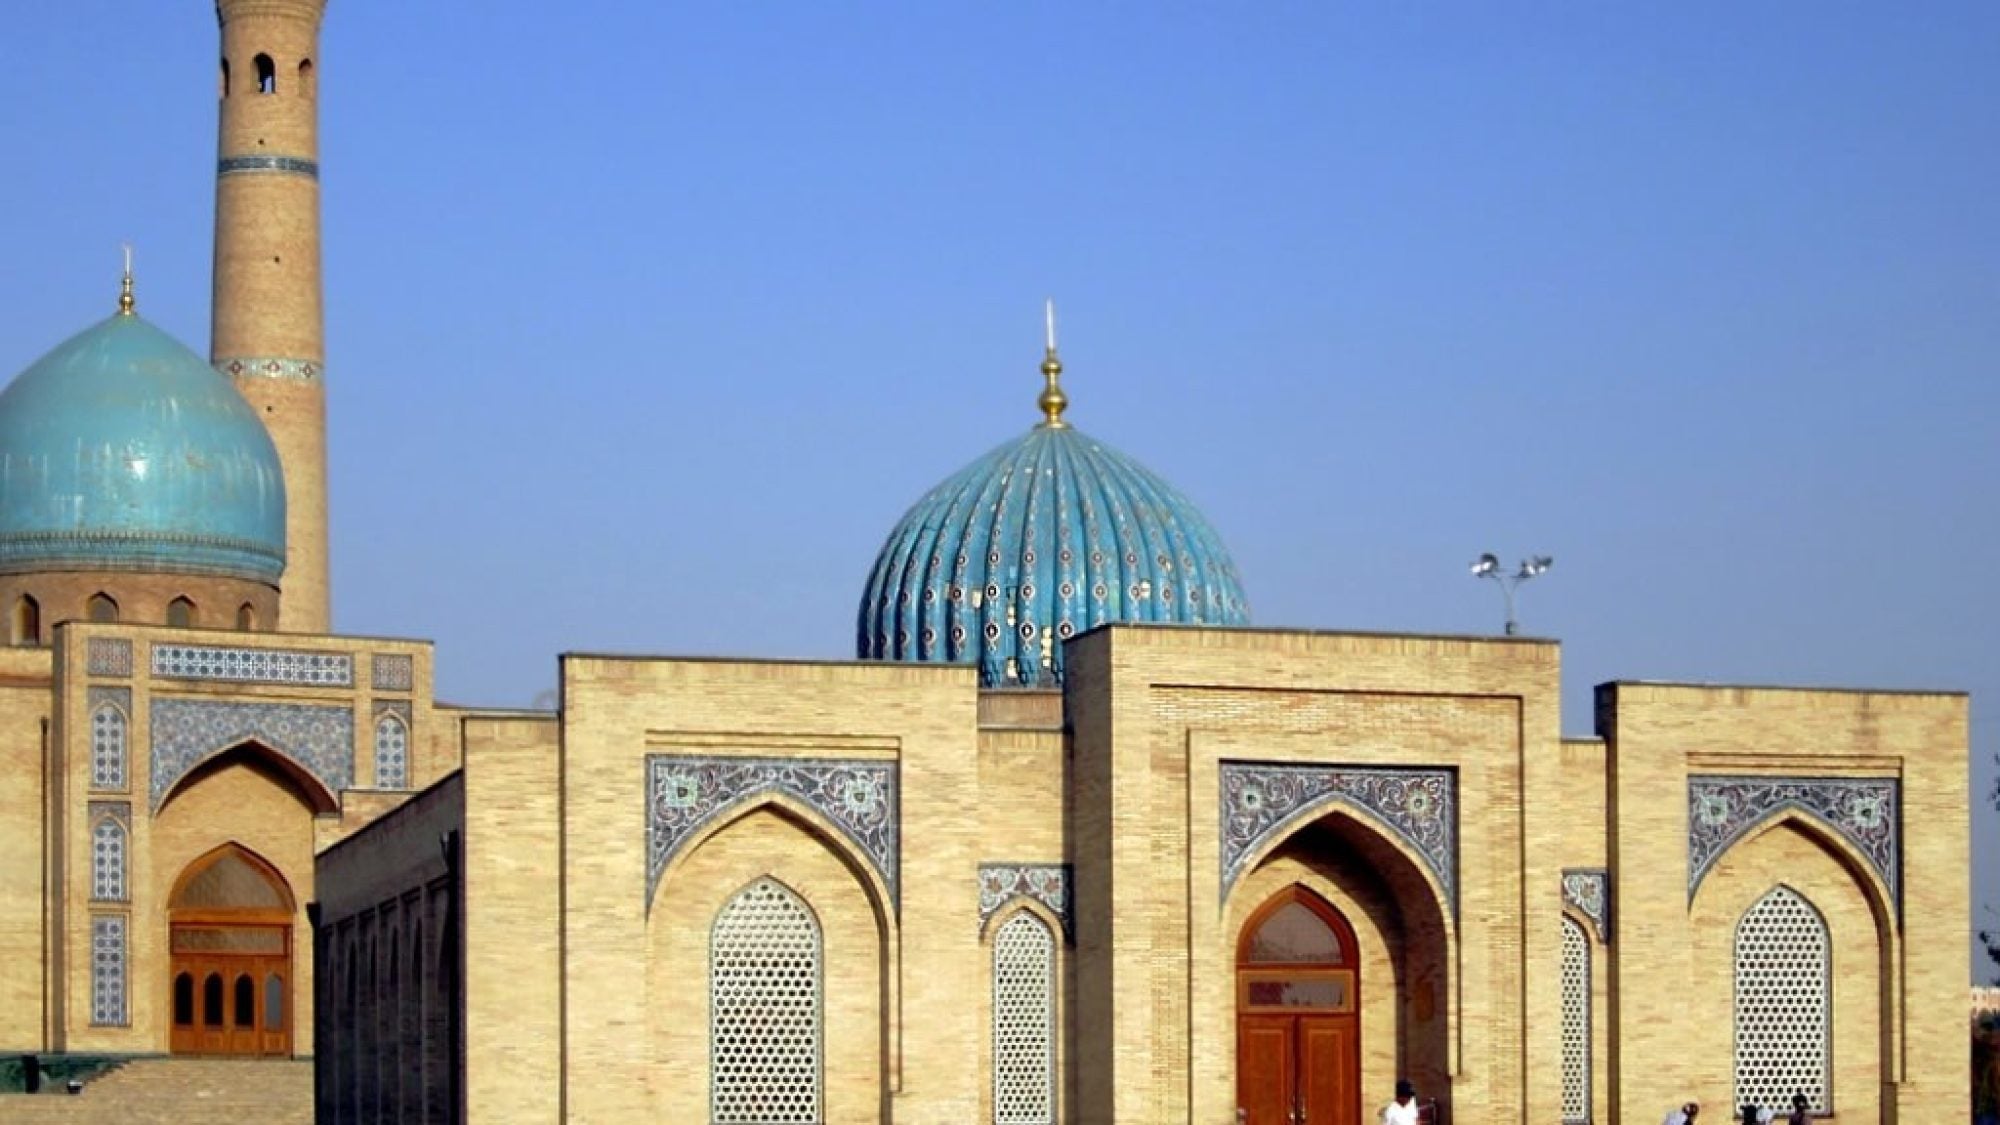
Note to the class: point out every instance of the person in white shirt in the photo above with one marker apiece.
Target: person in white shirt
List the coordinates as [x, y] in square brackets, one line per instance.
[1683, 1116]
[1402, 1111]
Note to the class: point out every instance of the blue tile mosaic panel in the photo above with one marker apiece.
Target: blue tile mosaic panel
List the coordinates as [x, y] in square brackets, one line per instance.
[1261, 801]
[392, 746]
[392, 671]
[1587, 890]
[108, 656]
[1046, 883]
[107, 971]
[283, 165]
[186, 732]
[1864, 811]
[859, 797]
[253, 665]
[110, 850]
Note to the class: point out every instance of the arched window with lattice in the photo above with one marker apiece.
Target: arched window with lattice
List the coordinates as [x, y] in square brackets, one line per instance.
[766, 1010]
[1024, 1022]
[107, 860]
[1575, 1023]
[107, 747]
[392, 752]
[1784, 1003]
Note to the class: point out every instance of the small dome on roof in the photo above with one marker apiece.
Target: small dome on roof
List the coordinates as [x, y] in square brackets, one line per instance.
[122, 450]
[1045, 537]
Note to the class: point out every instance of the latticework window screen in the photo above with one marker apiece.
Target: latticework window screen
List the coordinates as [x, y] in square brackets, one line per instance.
[765, 1010]
[107, 860]
[1575, 1024]
[107, 748]
[392, 753]
[1024, 1022]
[1783, 1003]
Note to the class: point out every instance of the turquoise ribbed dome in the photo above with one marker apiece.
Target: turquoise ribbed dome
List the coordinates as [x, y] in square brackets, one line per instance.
[1045, 537]
[122, 450]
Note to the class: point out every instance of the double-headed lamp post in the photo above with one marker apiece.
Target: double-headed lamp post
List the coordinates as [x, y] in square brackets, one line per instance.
[1488, 566]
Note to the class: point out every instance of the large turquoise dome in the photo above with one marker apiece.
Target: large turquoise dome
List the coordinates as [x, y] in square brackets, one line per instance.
[122, 450]
[1047, 536]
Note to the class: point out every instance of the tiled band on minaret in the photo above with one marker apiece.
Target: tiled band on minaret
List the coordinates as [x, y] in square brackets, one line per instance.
[267, 333]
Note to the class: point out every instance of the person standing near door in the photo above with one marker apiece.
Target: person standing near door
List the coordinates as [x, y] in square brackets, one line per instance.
[1402, 1111]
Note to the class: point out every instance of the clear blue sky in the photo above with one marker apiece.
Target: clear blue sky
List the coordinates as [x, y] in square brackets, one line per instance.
[647, 321]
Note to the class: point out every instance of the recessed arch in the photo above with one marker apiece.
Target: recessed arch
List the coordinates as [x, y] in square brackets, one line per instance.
[232, 877]
[27, 621]
[267, 75]
[225, 77]
[181, 613]
[230, 919]
[101, 607]
[246, 618]
[1881, 900]
[767, 1007]
[1384, 843]
[303, 783]
[306, 78]
[837, 841]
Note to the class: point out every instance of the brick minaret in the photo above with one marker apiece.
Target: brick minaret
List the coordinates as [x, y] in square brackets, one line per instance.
[268, 334]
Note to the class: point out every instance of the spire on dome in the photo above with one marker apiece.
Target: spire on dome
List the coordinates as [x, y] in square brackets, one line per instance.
[1052, 401]
[126, 303]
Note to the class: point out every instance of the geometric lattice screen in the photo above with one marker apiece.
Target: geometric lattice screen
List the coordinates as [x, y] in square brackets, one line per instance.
[392, 753]
[1575, 1024]
[1024, 1022]
[107, 748]
[1784, 1003]
[764, 1010]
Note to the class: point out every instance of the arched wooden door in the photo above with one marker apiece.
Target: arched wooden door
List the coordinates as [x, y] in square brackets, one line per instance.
[230, 968]
[1298, 1029]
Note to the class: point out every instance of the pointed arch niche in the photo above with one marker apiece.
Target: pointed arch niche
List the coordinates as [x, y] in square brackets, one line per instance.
[1398, 930]
[1800, 860]
[230, 920]
[773, 841]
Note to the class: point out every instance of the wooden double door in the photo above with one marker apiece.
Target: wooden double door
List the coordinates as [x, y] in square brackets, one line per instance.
[1298, 1028]
[1298, 1070]
[232, 1005]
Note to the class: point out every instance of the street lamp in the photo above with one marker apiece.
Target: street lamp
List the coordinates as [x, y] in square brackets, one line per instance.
[1488, 566]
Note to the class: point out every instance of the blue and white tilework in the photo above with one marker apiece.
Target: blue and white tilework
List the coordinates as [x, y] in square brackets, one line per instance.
[107, 971]
[1046, 883]
[1049, 535]
[185, 732]
[253, 665]
[392, 745]
[1866, 812]
[109, 656]
[1587, 890]
[110, 850]
[110, 738]
[1261, 801]
[271, 367]
[859, 797]
[284, 165]
[392, 671]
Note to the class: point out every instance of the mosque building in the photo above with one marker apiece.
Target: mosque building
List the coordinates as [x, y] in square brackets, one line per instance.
[1071, 840]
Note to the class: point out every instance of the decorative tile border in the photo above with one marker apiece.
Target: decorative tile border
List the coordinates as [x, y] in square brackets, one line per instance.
[185, 732]
[287, 165]
[1046, 883]
[271, 367]
[390, 671]
[1260, 801]
[1866, 812]
[107, 971]
[253, 665]
[1587, 890]
[108, 656]
[861, 798]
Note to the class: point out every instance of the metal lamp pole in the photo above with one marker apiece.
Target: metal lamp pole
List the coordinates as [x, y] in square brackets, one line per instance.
[1488, 566]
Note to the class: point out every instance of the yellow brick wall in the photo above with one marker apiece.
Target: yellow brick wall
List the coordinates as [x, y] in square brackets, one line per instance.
[618, 711]
[1672, 972]
[1154, 712]
[513, 1013]
[24, 710]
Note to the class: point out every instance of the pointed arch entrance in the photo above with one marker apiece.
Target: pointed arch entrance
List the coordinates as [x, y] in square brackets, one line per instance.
[1298, 1031]
[230, 965]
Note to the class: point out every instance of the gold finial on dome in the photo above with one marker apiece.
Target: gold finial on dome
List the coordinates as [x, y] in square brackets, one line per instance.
[125, 301]
[1053, 401]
